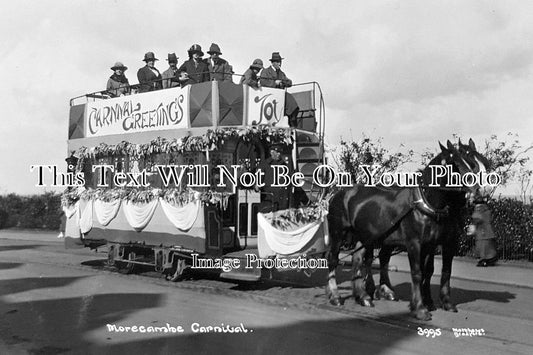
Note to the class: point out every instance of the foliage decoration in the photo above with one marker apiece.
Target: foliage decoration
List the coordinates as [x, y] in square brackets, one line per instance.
[211, 140]
[134, 195]
[294, 218]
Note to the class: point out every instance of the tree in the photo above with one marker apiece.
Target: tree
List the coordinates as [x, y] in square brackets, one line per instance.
[353, 154]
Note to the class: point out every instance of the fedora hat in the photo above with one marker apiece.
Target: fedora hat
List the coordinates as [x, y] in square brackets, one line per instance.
[119, 65]
[257, 64]
[150, 56]
[195, 48]
[276, 57]
[214, 49]
[172, 58]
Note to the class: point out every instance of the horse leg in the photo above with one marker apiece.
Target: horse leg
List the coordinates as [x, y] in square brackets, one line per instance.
[370, 286]
[332, 291]
[417, 306]
[427, 257]
[358, 279]
[385, 287]
[447, 258]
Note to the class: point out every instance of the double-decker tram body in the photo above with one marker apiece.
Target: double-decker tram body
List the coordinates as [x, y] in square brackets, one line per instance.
[171, 176]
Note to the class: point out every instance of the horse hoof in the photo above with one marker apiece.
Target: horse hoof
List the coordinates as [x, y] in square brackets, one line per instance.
[422, 314]
[387, 293]
[449, 307]
[335, 301]
[366, 302]
[431, 307]
[391, 297]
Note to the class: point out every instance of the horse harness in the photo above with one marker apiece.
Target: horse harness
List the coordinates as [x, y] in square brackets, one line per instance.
[421, 204]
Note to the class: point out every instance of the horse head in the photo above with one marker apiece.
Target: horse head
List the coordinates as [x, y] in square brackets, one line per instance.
[479, 164]
[442, 178]
[473, 157]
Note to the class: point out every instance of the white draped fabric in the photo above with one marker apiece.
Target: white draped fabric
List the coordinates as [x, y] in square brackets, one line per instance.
[106, 211]
[287, 242]
[139, 215]
[71, 210]
[86, 218]
[182, 217]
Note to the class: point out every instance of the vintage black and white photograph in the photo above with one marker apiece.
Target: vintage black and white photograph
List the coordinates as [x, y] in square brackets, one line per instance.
[276, 177]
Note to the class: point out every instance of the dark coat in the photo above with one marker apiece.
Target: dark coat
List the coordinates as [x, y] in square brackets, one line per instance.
[250, 78]
[274, 198]
[220, 71]
[270, 75]
[147, 79]
[118, 85]
[485, 237]
[198, 72]
[170, 79]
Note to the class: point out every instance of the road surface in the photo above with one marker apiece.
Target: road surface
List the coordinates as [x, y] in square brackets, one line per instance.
[57, 301]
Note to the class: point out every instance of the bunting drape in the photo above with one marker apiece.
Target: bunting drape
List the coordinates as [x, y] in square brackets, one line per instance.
[106, 211]
[139, 215]
[285, 242]
[182, 217]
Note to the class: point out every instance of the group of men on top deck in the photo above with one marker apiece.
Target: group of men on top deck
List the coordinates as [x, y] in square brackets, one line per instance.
[197, 70]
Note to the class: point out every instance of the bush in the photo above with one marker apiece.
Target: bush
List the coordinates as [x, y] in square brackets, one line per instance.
[3, 218]
[35, 211]
[512, 222]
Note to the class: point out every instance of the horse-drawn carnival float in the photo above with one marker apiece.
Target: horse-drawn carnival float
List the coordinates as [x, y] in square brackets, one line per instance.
[177, 179]
[171, 178]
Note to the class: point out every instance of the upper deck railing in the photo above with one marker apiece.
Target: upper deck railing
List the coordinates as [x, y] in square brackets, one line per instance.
[203, 105]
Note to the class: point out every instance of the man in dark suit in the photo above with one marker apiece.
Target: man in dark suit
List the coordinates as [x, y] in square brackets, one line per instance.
[149, 77]
[273, 77]
[219, 69]
[196, 69]
[274, 198]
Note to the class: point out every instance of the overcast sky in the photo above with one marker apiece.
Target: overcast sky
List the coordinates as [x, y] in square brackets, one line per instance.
[412, 72]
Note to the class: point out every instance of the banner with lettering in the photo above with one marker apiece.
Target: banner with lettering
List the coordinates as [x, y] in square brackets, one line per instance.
[151, 111]
[266, 106]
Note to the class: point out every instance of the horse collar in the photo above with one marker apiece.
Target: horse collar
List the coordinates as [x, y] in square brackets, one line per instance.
[423, 206]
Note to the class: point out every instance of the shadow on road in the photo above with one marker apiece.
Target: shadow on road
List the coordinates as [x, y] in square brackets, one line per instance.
[19, 247]
[344, 336]
[32, 283]
[6, 266]
[45, 324]
[459, 295]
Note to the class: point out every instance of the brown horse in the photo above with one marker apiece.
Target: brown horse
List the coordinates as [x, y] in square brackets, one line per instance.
[417, 217]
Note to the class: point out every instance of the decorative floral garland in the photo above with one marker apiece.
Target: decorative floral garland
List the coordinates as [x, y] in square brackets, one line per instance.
[211, 140]
[294, 218]
[171, 195]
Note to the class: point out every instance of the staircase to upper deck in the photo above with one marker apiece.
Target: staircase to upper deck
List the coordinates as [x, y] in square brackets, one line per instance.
[309, 155]
[308, 151]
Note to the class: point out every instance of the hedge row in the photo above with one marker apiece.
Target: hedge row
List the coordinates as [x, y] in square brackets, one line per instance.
[512, 222]
[33, 212]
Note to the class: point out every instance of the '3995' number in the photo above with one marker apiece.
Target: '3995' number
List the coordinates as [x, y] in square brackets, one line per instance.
[429, 332]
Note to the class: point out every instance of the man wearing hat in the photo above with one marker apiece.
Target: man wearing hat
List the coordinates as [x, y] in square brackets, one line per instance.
[196, 69]
[219, 69]
[251, 75]
[118, 84]
[170, 76]
[149, 77]
[274, 198]
[273, 77]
